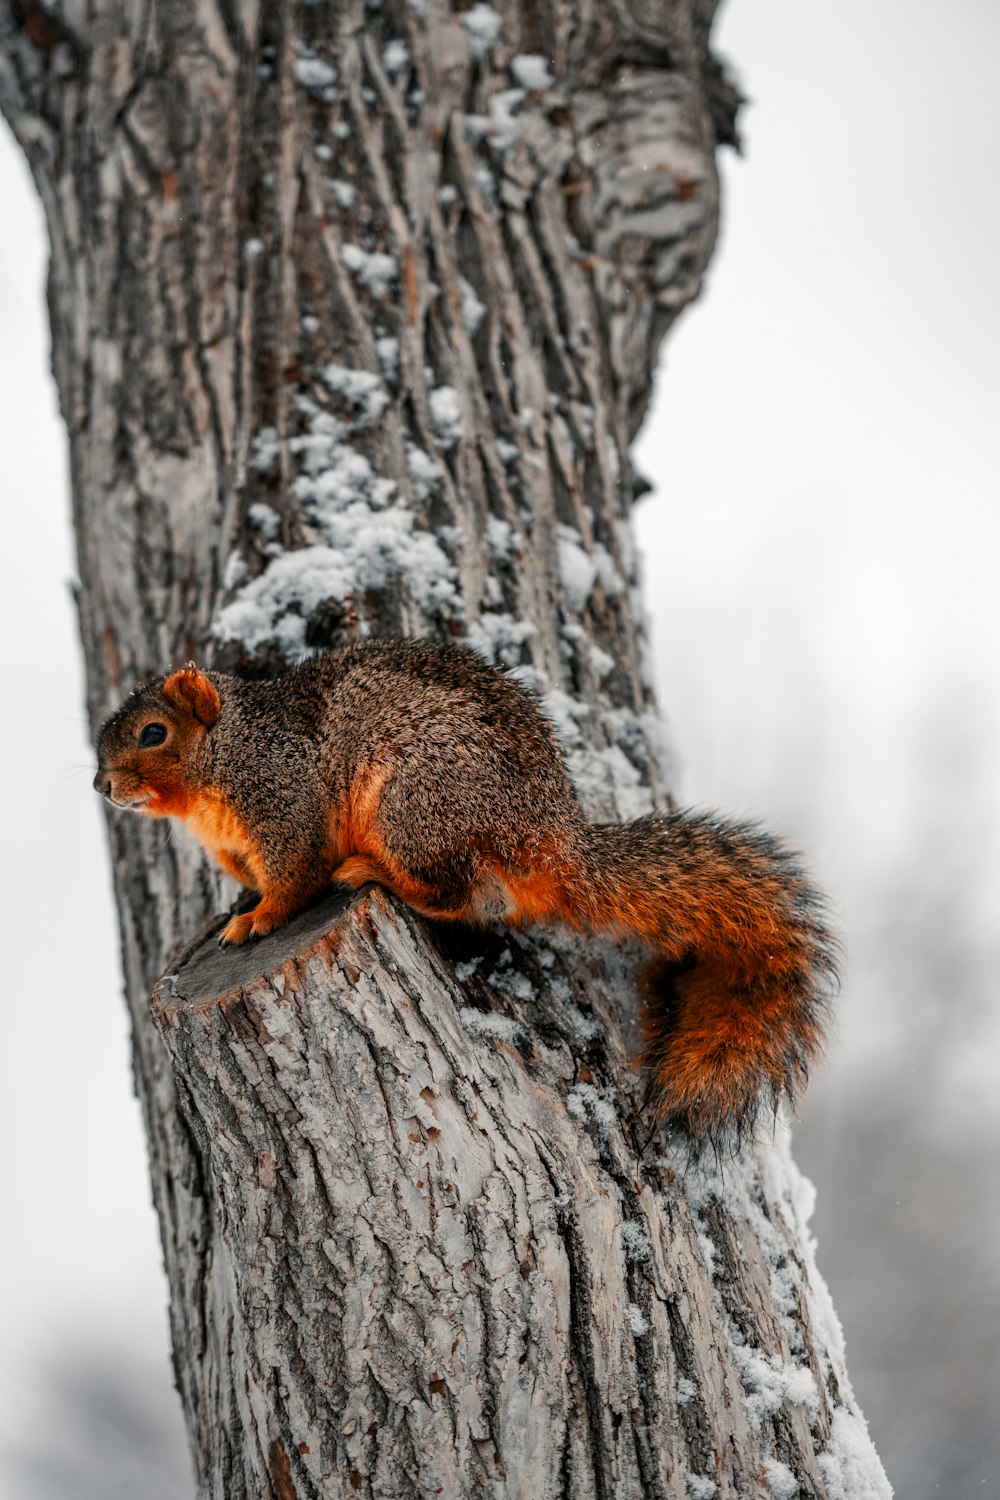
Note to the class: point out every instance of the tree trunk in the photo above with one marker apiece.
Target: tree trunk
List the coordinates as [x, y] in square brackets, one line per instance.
[354, 316]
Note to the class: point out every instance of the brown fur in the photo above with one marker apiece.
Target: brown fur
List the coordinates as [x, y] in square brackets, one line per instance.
[425, 769]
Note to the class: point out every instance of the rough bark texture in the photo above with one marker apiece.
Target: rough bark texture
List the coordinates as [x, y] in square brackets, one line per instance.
[354, 315]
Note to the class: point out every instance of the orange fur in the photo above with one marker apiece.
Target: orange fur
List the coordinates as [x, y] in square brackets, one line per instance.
[542, 895]
[352, 824]
[365, 869]
[224, 835]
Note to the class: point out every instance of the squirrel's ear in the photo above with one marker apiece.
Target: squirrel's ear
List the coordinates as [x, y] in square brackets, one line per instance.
[191, 692]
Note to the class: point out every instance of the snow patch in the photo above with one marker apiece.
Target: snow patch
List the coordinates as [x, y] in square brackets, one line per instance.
[531, 72]
[585, 1026]
[700, 1487]
[585, 1104]
[264, 450]
[606, 780]
[577, 571]
[517, 986]
[473, 311]
[499, 539]
[635, 1241]
[387, 350]
[851, 1467]
[708, 1252]
[784, 1485]
[312, 72]
[275, 606]
[488, 1024]
[500, 128]
[602, 663]
[485, 182]
[465, 971]
[234, 572]
[446, 416]
[265, 519]
[395, 57]
[367, 537]
[611, 581]
[362, 390]
[637, 1320]
[580, 570]
[499, 637]
[482, 26]
[424, 471]
[376, 272]
[770, 1381]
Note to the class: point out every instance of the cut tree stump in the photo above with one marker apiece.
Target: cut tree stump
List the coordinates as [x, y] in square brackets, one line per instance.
[481, 1284]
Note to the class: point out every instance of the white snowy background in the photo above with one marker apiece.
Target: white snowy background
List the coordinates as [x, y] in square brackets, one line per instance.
[821, 570]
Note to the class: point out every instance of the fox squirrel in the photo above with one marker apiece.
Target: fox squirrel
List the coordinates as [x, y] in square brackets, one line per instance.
[425, 769]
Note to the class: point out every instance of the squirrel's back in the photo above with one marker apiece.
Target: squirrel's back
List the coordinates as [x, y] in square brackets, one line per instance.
[387, 693]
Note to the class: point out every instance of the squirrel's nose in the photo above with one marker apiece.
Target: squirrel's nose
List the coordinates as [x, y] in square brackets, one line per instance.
[102, 783]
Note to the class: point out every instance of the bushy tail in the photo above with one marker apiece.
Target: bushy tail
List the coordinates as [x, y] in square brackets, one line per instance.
[735, 997]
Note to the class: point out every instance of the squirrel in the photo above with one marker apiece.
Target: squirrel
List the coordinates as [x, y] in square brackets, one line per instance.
[429, 771]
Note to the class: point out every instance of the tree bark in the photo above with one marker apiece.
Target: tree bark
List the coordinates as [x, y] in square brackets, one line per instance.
[354, 314]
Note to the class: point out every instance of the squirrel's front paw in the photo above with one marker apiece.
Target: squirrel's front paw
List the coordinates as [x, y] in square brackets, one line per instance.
[249, 924]
[237, 930]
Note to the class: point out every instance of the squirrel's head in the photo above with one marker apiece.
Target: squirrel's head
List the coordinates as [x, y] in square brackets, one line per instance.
[145, 748]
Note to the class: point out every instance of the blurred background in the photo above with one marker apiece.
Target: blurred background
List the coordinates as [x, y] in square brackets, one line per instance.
[821, 572]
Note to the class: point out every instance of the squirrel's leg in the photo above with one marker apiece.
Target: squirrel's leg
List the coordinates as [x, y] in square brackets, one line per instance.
[303, 875]
[275, 906]
[235, 865]
[437, 898]
[360, 869]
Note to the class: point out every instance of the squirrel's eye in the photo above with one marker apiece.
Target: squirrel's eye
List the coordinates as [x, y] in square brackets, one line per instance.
[153, 734]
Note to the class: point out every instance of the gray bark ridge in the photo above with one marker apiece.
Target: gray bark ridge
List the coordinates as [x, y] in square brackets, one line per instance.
[354, 315]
